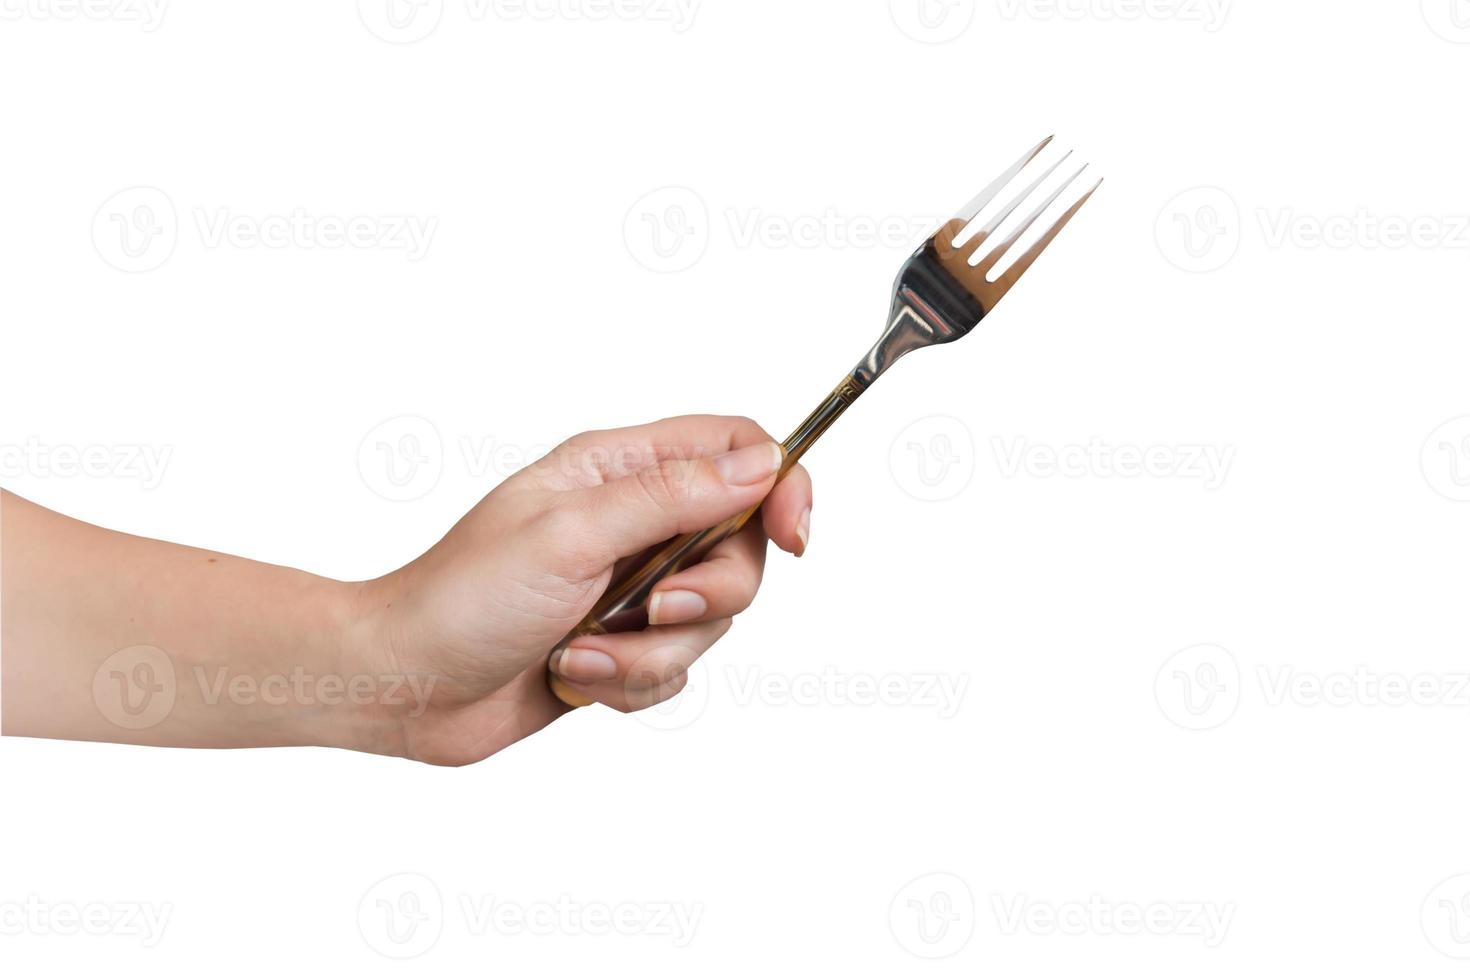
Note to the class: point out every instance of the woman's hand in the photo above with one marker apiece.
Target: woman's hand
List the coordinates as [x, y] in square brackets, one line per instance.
[109, 637]
[481, 609]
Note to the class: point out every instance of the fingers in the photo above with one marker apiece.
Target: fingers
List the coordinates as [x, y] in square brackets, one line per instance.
[632, 671]
[594, 458]
[787, 512]
[722, 585]
[671, 497]
[627, 489]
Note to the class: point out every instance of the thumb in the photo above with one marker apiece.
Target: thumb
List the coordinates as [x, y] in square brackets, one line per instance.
[674, 496]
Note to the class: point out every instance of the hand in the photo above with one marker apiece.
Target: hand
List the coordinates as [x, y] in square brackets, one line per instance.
[115, 638]
[480, 610]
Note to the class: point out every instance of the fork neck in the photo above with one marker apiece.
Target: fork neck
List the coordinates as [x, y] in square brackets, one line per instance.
[907, 331]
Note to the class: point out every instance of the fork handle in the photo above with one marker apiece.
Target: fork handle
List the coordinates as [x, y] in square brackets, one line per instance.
[624, 605]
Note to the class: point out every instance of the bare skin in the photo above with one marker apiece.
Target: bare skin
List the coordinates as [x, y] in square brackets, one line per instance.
[109, 637]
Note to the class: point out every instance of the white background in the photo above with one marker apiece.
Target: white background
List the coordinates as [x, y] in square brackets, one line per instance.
[1140, 728]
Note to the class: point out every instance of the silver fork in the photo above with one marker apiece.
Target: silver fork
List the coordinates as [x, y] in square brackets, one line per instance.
[942, 293]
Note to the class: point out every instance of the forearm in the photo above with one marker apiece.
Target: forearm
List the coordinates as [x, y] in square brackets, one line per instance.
[109, 637]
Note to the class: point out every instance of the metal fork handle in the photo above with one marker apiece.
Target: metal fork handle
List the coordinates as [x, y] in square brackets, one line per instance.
[624, 605]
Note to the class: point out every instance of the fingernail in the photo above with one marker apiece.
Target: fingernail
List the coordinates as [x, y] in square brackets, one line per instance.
[675, 606]
[585, 666]
[750, 465]
[804, 529]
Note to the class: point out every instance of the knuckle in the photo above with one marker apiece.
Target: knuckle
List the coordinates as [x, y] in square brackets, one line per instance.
[749, 425]
[576, 553]
[653, 671]
[665, 485]
[672, 685]
[738, 586]
[561, 524]
[659, 668]
[742, 596]
[750, 585]
[583, 458]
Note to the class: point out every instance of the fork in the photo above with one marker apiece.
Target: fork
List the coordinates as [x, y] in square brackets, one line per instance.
[942, 293]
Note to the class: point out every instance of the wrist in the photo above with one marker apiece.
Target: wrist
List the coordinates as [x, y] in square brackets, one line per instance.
[381, 691]
[297, 680]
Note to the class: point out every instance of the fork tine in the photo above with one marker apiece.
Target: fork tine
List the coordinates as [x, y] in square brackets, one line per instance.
[1008, 279]
[976, 203]
[985, 231]
[988, 263]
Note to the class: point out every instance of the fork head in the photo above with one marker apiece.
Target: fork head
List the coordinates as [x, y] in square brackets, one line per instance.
[945, 288]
